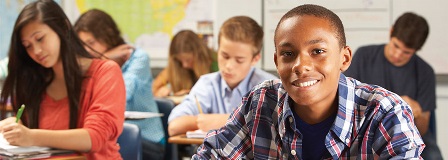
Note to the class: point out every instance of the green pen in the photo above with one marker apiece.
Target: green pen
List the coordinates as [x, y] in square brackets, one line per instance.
[19, 113]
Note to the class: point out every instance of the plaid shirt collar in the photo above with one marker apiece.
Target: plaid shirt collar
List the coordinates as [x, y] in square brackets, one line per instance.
[343, 124]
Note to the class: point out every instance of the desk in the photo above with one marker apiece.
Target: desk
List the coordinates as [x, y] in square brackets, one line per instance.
[182, 139]
[73, 157]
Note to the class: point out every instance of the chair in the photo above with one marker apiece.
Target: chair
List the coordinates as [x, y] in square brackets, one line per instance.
[165, 106]
[432, 124]
[130, 142]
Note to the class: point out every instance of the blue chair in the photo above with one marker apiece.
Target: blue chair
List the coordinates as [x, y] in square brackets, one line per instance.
[165, 106]
[130, 142]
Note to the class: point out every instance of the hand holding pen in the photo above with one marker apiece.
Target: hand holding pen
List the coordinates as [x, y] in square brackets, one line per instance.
[14, 132]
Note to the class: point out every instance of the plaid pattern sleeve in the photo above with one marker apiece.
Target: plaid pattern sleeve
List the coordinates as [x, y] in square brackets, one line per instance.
[371, 123]
[249, 132]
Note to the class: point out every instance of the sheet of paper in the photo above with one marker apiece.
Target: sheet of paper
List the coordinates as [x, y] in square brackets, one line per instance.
[7, 148]
[141, 115]
[196, 134]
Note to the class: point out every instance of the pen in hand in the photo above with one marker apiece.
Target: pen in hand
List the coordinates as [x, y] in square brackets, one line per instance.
[198, 104]
[19, 113]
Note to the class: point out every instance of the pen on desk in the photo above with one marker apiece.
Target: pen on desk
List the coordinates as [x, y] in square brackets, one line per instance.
[19, 113]
[198, 104]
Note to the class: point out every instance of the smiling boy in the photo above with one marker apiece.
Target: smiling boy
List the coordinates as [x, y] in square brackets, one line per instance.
[315, 112]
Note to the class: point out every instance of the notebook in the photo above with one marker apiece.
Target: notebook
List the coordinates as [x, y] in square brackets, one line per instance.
[18, 151]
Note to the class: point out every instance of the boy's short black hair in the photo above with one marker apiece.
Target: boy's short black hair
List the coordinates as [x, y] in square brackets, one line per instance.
[411, 29]
[320, 12]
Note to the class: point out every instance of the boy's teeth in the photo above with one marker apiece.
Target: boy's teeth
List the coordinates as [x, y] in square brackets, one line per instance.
[309, 83]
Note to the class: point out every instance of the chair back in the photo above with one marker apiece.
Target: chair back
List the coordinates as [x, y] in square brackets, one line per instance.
[130, 142]
[165, 106]
[432, 124]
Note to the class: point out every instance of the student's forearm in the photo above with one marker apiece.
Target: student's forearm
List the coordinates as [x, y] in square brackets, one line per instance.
[160, 80]
[73, 139]
[208, 122]
[182, 124]
[422, 122]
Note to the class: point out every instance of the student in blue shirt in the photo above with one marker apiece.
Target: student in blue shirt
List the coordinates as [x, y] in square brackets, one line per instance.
[102, 38]
[240, 41]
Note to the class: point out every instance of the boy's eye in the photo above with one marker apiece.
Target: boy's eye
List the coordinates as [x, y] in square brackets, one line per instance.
[317, 51]
[286, 53]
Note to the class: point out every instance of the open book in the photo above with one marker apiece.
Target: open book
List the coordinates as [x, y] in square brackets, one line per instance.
[17, 151]
[196, 134]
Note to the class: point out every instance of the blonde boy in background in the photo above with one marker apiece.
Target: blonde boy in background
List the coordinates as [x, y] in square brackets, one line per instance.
[218, 94]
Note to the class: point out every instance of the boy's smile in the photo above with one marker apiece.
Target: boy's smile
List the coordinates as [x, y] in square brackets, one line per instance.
[309, 60]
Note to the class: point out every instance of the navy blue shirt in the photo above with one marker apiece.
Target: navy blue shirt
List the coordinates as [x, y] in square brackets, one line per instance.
[314, 137]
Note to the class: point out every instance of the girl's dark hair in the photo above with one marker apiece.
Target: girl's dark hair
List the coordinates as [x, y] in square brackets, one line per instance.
[102, 27]
[27, 80]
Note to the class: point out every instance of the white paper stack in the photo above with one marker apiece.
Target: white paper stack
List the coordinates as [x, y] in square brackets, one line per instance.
[196, 134]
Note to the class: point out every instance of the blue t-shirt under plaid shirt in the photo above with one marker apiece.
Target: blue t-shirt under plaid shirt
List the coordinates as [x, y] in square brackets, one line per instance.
[371, 123]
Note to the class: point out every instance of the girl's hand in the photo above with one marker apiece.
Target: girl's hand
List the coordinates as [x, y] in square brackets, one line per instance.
[17, 134]
[7, 121]
[120, 54]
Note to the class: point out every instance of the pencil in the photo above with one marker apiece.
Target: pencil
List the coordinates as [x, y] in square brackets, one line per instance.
[198, 104]
[19, 113]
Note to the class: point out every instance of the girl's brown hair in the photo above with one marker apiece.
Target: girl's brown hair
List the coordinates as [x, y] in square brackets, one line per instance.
[101, 26]
[186, 41]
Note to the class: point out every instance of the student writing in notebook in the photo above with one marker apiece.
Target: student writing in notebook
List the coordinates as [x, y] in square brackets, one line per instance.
[240, 41]
[397, 67]
[73, 101]
[314, 111]
[102, 39]
[188, 59]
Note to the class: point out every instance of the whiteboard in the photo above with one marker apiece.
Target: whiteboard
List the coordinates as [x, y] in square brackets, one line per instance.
[369, 22]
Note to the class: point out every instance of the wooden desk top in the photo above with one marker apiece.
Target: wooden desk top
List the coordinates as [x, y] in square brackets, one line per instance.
[182, 139]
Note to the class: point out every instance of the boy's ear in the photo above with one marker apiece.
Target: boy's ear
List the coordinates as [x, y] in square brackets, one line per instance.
[256, 59]
[275, 59]
[346, 58]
